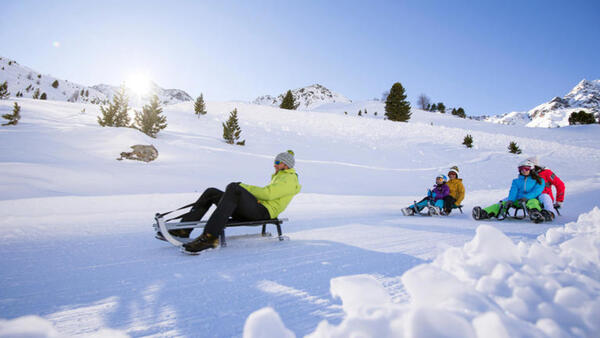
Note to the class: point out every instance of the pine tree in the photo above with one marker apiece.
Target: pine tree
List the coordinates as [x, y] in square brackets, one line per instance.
[288, 101]
[150, 121]
[4, 94]
[13, 118]
[581, 117]
[359, 112]
[55, 84]
[461, 113]
[43, 96]
[115, 115]
[366, 111]
[396, 106]
[199, 106]
[433, 107]
[513, 148]
[468, 141]
[36, 94]
[231, 129]
[441, 107]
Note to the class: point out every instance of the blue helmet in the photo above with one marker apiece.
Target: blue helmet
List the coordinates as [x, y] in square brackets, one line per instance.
[443, 177]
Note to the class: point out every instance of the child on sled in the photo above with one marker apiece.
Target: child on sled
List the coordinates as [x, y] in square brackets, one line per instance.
[434, 199]
[524, 191]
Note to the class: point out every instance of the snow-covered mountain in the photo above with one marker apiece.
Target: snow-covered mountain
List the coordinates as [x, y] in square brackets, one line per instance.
[307, 98]
[165, 96]
[25, 82]
[555, 113]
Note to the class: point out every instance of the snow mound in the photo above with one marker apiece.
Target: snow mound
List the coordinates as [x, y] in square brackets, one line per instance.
[490, 287]
[266, 323]
[34, 326]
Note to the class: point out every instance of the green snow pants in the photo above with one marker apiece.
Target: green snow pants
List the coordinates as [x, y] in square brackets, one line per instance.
[493, 209]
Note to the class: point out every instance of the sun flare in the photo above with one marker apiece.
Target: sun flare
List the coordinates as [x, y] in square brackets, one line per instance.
[139, 83]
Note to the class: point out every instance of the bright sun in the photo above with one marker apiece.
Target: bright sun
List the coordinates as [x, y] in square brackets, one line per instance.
[139, 83]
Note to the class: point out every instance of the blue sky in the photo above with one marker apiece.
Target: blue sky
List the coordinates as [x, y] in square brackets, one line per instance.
[489, 57]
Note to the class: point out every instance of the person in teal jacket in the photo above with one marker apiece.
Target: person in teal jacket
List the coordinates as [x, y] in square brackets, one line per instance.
[525, 188]
[243, 202]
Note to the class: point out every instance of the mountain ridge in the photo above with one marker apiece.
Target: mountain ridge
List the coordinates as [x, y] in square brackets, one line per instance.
[24, 82]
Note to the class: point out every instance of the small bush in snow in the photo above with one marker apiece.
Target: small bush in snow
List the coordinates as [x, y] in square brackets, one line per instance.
[55, 84]
[200, 106]
[150, 121]
[231, 129]
[460, 112]
[359, 112]
[424, 102]
[4, 94]
[13, 118]
[36, 94]
[43, 96]
[39, 76]
[468, 141]
[581, 117]
[513, 148]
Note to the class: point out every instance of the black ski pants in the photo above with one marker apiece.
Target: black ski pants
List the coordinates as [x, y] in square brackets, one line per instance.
[235, 202]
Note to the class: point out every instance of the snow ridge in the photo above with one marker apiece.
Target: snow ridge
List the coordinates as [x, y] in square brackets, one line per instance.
[307, 98]
[25, 82]
[555, 113]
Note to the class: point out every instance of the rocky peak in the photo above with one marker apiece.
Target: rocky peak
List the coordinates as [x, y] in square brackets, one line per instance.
[306, 97]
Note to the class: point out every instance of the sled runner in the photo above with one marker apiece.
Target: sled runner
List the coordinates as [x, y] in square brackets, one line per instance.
[520, 212]
[162, 227]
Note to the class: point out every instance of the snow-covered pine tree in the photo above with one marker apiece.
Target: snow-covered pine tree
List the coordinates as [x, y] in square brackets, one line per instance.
[150, 121]
[396, 106]
[115, 114]
[200, 106]
[232, 130]
[36, 94]
[55, 84]
[513, 148]
[13, 118]
[288, 101]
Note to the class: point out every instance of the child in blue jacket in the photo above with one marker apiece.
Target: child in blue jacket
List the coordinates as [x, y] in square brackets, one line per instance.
[525, 188]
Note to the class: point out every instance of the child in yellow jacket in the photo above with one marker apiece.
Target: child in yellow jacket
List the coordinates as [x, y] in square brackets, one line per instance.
[457, 190]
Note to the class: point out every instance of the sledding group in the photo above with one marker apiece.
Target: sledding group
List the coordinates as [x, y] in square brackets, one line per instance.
[530, 192]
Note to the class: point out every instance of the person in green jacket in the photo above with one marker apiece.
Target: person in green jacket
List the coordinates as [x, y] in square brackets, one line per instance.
[243, 202]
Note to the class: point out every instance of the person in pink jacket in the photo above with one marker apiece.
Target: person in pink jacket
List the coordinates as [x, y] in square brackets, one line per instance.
[547, 197]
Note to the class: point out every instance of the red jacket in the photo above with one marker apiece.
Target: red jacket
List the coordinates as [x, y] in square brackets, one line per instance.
[552, 180]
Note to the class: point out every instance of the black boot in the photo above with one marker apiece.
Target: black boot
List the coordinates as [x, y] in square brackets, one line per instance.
[479, 214]
[203, 242]
[183, 233]
[535, 216]
[548, 215]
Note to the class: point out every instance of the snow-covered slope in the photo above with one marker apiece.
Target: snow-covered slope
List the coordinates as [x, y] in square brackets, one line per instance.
[77, 251]
[307, 98]
[25, 82]
[555, 113]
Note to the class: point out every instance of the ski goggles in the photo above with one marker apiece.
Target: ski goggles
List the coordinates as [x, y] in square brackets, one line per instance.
[278, 162]
[526, 168]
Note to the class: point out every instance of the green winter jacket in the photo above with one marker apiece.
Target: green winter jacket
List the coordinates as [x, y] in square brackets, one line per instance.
[278, 194]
